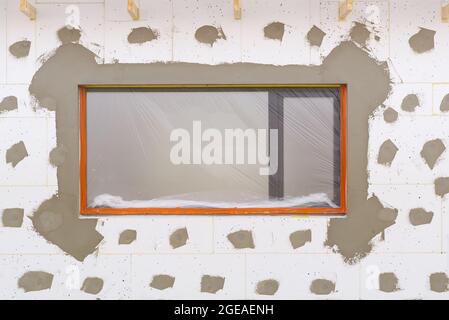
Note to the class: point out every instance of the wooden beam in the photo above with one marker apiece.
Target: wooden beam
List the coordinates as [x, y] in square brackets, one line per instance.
[345, 7]
[27, 9]
[445, 13]
[133, 10]
[237, 10]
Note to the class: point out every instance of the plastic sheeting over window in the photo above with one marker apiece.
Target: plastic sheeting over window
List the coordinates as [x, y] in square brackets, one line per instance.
[264, 148]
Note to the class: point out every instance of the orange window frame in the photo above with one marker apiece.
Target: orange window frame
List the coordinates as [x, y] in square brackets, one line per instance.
[207, 211]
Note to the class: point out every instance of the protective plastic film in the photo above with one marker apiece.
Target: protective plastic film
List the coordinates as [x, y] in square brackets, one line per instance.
[213, 147]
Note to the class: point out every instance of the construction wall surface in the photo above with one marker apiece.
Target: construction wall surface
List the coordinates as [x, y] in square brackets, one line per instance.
[392, 244]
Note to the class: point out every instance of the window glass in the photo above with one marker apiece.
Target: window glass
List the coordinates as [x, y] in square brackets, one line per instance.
[212, 147]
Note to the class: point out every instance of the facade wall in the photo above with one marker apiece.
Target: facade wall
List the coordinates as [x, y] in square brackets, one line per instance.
[417, 255]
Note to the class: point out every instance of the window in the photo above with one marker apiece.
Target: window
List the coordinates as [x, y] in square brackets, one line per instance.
[205, 149]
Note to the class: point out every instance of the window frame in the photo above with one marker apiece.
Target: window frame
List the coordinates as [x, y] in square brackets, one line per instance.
[85, 210]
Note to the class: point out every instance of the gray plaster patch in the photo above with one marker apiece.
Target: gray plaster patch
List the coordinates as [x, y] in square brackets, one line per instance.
[410, 102]
[300, 238]
[162, 282]
[390, 115]
[57, 220]
[12, 217]
[68, 35]
[142, 35]
[388, 215]
[388, 282]
[209, 34]
[179, 238]
[444, 106]
[242, 239]
[360, 34]
[439, 282]
[352, 236]
[127, 236]
[346, 63]
[387, 152]
[322, 286]
[8, 104]
[57, 156]
[419, 216]
[212, 284]
[315, 36]
[274, 31]
[442, 186]
[92, 285]
[358, 244]
[35, 281]
[431, 151]
[16, 153]
[20, 49]
[48, 221]
[267, 287]
[48, 103]
[423, 40]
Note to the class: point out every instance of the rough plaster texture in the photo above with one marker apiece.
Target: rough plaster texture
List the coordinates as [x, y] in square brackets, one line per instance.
[12, 217]
[20, 49]
[162, 282]
[261, 261]
[212, 284]
[141, 35]
[388, 282]
[209, 34]
[92, 285]
[322, 287]
[127, 236]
